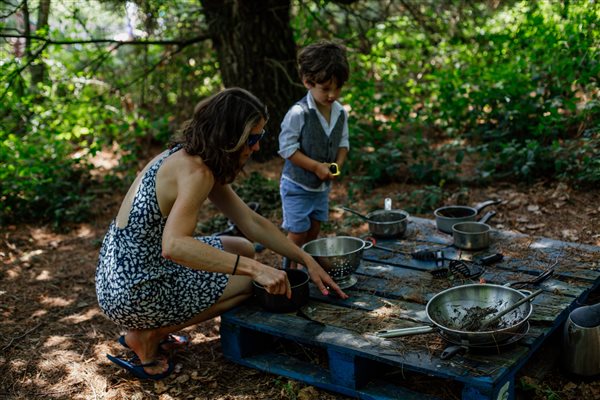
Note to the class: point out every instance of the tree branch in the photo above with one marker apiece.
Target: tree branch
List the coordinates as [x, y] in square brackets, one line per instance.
[183, 43]
[13, 11]
[17, 72]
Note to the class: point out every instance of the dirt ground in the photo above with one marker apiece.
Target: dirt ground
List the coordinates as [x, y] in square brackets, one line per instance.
[54, 339]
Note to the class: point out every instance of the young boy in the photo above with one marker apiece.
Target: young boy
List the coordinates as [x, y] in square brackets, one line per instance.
[314, 134]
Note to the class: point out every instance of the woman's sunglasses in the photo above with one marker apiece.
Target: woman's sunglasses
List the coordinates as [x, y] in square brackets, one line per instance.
[255, 138]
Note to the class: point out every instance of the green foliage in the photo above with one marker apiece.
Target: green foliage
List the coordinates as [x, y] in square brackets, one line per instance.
[512, 89]
[423, 200]
[254, 188]
[94, 97]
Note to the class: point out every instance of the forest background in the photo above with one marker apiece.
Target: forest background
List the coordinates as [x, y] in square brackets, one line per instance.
[444, 97]
[507, 89]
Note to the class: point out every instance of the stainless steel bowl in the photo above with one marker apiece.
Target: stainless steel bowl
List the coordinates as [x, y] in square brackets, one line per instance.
[448, 310]
[339, 256]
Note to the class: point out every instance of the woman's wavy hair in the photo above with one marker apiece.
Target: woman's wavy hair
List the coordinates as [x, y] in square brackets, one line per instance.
[219, 130]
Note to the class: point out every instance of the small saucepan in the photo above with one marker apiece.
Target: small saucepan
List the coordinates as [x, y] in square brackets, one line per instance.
[384, 223]
[279, 303]
[473, 235]
[446, 217]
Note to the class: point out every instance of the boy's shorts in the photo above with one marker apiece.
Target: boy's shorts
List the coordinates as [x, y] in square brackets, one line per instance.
[300, 206]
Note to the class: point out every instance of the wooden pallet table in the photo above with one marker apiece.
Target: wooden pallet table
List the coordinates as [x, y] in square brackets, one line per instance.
[331, 344]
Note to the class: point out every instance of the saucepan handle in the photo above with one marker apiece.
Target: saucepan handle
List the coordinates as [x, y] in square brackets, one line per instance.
[481, 206]
[416, 330]
[451, 351]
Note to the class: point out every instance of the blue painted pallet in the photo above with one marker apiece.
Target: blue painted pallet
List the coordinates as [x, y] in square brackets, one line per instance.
[345, 357]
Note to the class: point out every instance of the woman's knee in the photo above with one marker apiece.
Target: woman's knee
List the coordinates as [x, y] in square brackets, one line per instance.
[238, 286]
[238, 245]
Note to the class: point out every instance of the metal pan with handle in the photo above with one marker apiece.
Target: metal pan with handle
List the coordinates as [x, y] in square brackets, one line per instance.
[473, 235]
[446, 217]
[384, 223]
[450, 310]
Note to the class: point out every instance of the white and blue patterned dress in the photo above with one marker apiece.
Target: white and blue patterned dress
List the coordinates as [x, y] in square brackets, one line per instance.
[136, 286]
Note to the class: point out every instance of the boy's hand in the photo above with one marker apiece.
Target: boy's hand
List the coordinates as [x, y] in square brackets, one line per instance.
[323, 172]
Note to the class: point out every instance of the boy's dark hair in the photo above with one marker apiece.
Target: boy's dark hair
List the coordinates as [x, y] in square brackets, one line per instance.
[322, 61]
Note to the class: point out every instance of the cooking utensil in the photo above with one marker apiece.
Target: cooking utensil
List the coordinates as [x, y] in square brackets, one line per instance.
[447, 216]
[339, 256]
[466, 268]
[364, 217]
[422, 255]
[334, 169]
[581, 341]
[473, 235]
[547, 273]
[496, 317]
[534, 281]
[384, 223]
[279, 303]
[451, 309]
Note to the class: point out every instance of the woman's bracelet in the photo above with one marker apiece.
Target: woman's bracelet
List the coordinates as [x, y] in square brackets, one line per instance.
[237, 260]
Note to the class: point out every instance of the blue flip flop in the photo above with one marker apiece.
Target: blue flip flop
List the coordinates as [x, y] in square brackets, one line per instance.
[134, 366]
[170, 340]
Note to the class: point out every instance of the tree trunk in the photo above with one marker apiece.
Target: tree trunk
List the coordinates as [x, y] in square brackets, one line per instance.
[38, 69]
[256, 51]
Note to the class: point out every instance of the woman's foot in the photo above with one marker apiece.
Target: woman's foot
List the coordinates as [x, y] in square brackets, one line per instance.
[169, 344]
[145, 345]
[157, 369]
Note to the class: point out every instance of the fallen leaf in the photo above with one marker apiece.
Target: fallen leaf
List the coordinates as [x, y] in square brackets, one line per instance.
[308, 393]
[570, 235]
[570, 386]
[160, 387]
[533, 208]
[534, 227]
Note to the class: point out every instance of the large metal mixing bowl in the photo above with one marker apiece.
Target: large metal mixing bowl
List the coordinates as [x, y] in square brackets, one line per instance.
[339, 256]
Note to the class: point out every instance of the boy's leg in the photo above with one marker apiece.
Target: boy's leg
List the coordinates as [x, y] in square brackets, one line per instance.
[302, 238]
[299, 239]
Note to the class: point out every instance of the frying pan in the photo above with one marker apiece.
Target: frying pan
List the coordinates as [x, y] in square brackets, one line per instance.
[447, 216]
[450, 310]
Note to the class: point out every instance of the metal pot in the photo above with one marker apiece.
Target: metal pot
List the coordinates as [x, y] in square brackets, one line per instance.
[384, 223]
[473, 235]
[388, 223]
[581, 341]
[279, 302]
[339, 256]
[446, 217]
[448, 311]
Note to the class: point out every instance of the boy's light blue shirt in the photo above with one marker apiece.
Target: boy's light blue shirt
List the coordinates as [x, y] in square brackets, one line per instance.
[292, 124]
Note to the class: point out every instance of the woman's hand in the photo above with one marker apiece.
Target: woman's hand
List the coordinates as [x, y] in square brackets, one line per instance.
[274, 281]
[322, 279]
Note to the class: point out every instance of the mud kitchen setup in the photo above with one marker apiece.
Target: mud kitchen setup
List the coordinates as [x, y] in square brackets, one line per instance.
[441, 303]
